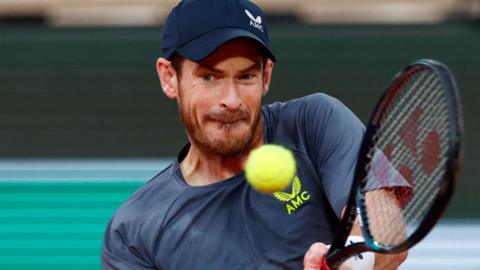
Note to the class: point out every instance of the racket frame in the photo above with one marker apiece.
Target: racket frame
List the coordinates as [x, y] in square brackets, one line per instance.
[338, 253]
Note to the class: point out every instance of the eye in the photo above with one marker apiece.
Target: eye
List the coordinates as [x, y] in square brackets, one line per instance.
[207, 77]
[247, 76]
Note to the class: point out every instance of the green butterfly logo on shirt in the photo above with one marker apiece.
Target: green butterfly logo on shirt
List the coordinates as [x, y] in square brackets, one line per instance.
[295, 199]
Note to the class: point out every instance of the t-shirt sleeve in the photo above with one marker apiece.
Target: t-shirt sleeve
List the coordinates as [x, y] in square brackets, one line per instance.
[334, 138]
[118, 254]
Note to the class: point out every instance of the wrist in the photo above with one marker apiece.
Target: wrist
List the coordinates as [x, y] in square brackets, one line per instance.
[362, 261]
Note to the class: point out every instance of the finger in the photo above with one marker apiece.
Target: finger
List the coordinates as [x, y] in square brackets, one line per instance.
[313, 258]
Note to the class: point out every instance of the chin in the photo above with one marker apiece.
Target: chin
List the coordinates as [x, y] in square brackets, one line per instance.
[228, 148]
[221, 131]
[229, 143]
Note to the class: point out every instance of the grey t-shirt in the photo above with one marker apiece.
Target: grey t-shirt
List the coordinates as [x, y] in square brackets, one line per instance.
[168, 224]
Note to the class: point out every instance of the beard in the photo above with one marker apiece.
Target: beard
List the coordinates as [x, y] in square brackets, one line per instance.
[230, 145]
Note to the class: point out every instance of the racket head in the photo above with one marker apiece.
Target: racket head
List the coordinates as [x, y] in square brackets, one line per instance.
[405, 81]
[413, 140]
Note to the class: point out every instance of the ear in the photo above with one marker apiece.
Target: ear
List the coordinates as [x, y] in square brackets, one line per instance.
[168, 77]
[267, 76]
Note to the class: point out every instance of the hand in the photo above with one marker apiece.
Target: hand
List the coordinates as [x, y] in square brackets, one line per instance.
[314, 256]
[317, 252]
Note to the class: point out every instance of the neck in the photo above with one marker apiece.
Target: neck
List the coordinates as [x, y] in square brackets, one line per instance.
[200, 168]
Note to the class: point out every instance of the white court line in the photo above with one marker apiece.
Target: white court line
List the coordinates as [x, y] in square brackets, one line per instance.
[452, 244]
[443, 263]
[449, 245]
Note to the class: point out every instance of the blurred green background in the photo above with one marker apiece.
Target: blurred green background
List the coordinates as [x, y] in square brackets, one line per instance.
[93, 92]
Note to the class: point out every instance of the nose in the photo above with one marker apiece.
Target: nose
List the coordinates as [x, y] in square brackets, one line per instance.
[231, 100]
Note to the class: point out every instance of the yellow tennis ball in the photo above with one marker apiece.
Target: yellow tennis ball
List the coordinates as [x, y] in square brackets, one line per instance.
[270, 168]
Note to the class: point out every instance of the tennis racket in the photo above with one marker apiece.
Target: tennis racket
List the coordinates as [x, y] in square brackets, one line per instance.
[408, 164]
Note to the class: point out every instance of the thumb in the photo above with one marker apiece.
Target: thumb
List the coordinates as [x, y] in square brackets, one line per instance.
[314, 256]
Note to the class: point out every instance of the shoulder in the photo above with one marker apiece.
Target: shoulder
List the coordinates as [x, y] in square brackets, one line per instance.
[299, 103]
[315, 111]
[318, 104]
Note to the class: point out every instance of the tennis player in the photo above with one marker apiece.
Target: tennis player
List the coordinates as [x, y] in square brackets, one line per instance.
[200, 213]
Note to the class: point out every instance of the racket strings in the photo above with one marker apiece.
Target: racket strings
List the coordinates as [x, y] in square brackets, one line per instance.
[408, 159]
[393, 119]
[419, 181]
[438, 123]
[434, 109]
[388, 131]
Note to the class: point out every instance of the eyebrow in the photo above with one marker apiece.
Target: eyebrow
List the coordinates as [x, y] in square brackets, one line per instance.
[254, 66]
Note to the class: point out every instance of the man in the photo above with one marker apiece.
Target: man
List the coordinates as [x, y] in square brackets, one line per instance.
[199, 213]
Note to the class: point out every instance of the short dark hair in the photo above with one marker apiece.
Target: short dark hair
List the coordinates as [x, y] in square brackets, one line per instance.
[177, 61]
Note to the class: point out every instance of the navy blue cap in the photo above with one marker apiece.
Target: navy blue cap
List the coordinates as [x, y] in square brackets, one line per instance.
[195, 28]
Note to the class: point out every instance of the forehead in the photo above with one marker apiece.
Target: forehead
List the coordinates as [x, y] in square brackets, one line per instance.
[241, 47]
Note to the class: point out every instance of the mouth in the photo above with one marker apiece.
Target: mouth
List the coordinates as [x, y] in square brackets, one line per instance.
[227, 122]
[227, 119]
[222, 124]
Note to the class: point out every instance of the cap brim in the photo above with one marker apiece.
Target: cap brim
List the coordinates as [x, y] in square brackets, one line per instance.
[203, 46]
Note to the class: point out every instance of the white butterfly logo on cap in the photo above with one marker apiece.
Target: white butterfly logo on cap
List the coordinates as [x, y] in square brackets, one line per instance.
[255, 22]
